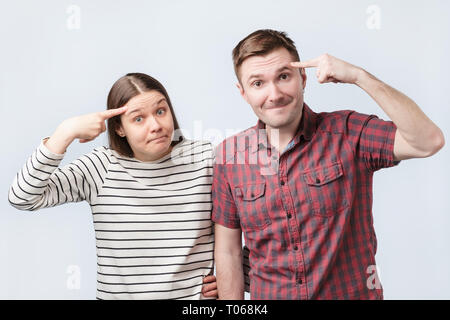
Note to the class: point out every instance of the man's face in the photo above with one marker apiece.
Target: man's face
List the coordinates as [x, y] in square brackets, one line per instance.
[273, 88]
[148, 126]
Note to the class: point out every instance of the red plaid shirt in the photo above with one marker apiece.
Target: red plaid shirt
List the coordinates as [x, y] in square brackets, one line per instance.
[306, 214]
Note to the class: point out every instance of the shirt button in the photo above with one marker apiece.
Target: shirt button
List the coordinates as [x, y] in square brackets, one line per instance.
[317, 180]
[282, 182]
[300, 281]
[289, 215]
[295, 248]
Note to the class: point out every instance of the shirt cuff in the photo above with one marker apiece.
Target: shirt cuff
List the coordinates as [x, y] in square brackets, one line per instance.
[49, 154]
[231, 224]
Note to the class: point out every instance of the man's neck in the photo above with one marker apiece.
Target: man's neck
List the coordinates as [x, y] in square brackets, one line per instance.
[280, 137]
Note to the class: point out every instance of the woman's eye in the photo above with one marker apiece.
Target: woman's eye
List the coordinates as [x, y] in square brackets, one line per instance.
[138, 119]
[160, 112]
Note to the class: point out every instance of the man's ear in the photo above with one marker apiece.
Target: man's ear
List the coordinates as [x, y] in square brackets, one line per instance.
[303, 75]
[241, 91]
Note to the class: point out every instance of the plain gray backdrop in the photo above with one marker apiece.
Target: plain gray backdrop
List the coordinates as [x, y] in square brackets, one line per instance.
[59, 59]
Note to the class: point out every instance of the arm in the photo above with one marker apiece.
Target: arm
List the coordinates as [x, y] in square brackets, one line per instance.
[229, 269]
[416, 137]
[247, 268]
[85, 128]
[41, 183]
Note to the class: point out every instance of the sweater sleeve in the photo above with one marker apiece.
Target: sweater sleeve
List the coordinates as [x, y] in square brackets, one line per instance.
[41, 183]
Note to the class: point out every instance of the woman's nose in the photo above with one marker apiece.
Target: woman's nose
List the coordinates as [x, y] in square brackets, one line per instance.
[154, 125]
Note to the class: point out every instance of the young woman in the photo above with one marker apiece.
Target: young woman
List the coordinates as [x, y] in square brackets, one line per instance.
[149, 192]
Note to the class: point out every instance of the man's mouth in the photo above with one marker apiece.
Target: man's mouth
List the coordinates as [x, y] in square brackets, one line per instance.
[275, 107]
[279, 106]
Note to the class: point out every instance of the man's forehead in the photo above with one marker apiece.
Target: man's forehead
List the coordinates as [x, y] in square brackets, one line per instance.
[269, 63]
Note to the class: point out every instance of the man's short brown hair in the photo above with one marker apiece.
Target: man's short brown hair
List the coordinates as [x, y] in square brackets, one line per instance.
[260, 43]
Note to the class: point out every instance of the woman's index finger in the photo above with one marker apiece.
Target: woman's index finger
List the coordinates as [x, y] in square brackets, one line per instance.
[113, 112]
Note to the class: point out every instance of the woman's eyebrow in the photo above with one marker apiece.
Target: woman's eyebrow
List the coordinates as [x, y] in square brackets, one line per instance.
[141, 107]
[159, 101]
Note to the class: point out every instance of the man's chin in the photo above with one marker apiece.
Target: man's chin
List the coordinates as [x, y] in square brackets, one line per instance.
[280, 121]
[275, 123]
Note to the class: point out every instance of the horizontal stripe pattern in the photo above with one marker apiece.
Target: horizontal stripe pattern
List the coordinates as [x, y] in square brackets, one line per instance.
[152, 220]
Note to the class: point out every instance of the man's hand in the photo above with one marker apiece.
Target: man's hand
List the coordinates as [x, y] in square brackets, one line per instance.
[331, 69]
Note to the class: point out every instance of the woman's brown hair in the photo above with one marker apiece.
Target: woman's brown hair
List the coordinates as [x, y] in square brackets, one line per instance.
[127, 87]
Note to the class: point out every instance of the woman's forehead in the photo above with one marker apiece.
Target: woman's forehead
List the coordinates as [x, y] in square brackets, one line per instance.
[145, 100]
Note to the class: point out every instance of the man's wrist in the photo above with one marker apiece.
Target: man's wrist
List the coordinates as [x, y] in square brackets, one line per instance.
[361, 77]
[367, 81]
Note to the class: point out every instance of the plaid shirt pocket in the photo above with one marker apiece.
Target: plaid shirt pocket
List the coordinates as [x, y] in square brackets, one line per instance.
[326, 189]
[251, 204]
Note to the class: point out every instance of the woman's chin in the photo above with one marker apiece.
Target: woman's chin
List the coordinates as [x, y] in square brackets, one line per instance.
[153, 152]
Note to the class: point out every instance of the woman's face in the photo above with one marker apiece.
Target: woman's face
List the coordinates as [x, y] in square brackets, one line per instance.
[148, 126]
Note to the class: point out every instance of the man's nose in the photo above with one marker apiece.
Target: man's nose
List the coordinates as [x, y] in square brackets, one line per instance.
[275, 93]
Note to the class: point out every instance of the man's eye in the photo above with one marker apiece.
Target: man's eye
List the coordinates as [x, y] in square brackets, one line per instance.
[160, 111]
[138, 119]
[257, 83]
[284, 76]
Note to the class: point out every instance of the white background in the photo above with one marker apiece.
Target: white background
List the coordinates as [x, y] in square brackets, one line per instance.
[56, 63]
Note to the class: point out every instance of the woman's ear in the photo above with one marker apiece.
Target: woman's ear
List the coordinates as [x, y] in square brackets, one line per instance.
[119, 131]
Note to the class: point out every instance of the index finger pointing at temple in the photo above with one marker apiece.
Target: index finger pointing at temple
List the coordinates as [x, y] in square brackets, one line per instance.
[113, 112]
[306, 64]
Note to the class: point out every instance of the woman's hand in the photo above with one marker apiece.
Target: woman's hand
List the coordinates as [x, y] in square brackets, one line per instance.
[209, 289]
[85, 128]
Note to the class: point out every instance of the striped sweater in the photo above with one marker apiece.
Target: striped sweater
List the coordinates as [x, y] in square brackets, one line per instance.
[152, 220]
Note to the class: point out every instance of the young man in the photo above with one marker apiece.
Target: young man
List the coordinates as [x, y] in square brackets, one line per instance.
[299, 184]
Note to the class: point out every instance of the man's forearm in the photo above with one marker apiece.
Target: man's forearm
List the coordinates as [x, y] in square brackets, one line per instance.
[230, 276]
[413, 125]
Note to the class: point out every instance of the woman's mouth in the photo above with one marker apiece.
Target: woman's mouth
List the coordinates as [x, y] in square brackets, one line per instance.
[160, 139]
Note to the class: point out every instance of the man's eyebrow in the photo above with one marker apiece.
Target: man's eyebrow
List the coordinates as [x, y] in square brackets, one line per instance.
[284, 68]
[253, 76]
[140, 108]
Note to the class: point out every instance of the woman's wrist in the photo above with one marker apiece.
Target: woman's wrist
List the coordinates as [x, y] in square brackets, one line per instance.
[60, 140]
